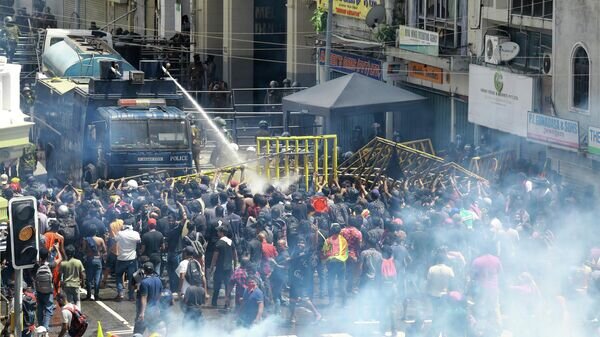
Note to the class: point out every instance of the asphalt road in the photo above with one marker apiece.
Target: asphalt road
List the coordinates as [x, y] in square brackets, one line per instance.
[117, 318]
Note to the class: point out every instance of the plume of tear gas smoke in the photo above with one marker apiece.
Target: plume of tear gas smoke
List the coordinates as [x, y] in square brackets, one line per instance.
[259, 184]
[224, 326]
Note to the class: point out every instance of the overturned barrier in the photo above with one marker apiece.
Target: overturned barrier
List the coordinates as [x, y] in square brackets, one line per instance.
[405, 165]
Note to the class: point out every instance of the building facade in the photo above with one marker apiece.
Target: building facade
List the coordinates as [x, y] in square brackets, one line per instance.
[14, 129]
[576, 84]
[510, 81]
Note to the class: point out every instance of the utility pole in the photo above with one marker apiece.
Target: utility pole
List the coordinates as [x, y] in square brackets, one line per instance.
[328, 40]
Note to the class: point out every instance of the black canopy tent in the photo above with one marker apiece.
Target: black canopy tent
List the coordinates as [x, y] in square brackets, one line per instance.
[350, 94]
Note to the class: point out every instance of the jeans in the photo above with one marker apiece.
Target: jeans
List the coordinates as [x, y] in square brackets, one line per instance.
[45, 309]
[221, 276]
[336, 270]
[123, 267]
[173, 260]
[93, 275]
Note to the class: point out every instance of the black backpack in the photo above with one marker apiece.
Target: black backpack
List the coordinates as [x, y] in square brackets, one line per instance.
[68, 229]
[43, 280]
[193, 274]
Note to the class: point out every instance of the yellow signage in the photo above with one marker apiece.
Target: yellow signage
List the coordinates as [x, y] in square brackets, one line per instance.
[353, 8]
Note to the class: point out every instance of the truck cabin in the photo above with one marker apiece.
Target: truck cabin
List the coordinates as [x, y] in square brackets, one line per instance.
[138, 136]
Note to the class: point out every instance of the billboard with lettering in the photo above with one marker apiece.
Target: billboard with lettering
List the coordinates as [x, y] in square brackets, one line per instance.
[348, 63]
[501, 100]
[553, 130]
[594, 140]
[418, 40]
[353, 8]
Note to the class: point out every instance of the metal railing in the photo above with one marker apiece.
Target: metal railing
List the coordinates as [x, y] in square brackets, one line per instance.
[300, 156]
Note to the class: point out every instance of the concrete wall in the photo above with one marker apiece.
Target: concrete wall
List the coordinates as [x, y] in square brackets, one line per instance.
[300, 61]
[238, 53]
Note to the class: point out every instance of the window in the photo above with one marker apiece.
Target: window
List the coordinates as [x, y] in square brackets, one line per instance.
[581, 79]
[168, 134]
[129, 134]
[536, 8]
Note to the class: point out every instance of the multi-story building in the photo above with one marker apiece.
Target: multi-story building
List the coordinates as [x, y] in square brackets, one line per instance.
[419, 45]
[576, 79]
[510, 78]
[14, 129]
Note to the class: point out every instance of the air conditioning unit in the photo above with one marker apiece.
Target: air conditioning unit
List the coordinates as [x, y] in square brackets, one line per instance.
[547, 63]
[492, 51]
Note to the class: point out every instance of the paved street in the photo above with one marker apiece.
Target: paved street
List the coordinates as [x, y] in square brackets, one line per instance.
[118, 319]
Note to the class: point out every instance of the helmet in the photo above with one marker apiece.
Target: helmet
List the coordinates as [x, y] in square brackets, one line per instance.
[263, 123]
[273, 84]
[26, 88]
[8, 19]
[62, 211]
[234, 146]
[287, 82]
[220, 121]
[132, 184]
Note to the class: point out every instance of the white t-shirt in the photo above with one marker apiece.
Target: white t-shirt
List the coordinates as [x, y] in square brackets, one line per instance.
[127, 240]
[182, 269]
[67, 316]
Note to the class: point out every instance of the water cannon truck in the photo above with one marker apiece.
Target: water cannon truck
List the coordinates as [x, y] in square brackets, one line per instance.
[98, 117]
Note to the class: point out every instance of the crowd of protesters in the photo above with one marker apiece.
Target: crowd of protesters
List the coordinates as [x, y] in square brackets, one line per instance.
[451, 259]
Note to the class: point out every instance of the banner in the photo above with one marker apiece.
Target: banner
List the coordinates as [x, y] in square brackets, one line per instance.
[553, 130]
[594, 140]
[353, 8]
[350, 63]
[418, 40]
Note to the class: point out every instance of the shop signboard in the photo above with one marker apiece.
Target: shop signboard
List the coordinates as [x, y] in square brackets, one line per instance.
[348, 63]
[426, 72]
[553, 130]
[418, 40]
[594, 140]
[353, 8]
[501, 100]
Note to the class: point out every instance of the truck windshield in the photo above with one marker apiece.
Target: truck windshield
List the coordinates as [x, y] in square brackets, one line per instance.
[129, 134]
[168, 134]
[154, 134]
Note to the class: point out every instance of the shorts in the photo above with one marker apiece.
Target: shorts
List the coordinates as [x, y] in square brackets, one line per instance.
[111, 262]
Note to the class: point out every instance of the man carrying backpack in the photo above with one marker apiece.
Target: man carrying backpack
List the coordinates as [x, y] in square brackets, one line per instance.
[190, 271]
[73, 321]
[44, 287]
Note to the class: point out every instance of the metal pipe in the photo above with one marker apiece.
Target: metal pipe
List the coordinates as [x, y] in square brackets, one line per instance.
[18, 298]
[328, 40]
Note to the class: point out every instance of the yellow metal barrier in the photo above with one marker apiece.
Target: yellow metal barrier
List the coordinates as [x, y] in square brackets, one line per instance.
[298, 157]
[423, 145]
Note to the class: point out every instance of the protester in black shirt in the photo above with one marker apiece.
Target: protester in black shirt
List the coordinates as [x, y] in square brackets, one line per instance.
[152, 245]
[223, 260]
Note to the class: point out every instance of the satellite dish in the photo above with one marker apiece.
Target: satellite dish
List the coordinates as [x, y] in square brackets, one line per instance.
[508, 50]
[375, 16]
